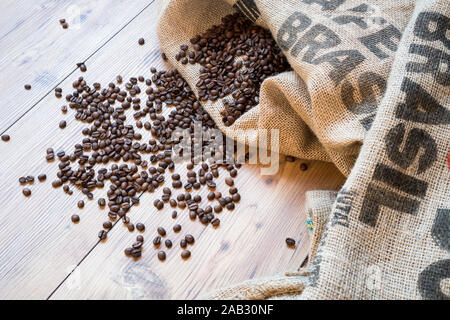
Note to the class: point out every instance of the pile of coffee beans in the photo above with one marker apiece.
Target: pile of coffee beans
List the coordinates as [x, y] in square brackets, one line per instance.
[236, 57]
[139, 166]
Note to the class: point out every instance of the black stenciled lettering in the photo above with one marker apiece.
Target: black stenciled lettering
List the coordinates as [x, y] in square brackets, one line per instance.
[327, 5]
[400, 181]
[432, 26]
[370, 85]
[416, 139]
[295, 23]
[441, 229]
[385, 37]
[435, 59]
[343, 62]
[430, 280]
[376, 197]
[310, 40]
[416, 100]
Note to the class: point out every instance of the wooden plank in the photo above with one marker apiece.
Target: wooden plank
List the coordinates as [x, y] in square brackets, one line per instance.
[36, 50]
[250, 241]
[39, 244]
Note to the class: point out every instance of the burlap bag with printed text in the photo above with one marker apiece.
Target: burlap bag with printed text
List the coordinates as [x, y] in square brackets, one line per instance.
[341, 52]
[387, 235]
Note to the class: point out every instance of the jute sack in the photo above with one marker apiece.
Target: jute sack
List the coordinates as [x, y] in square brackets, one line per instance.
[388, 233]
[341, 52]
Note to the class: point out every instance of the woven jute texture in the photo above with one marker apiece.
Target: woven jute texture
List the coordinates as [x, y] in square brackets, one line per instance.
[387, 233]
[340, 51]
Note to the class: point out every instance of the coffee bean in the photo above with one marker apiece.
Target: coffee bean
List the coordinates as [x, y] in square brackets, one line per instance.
[61, 21]
[140, 226]
[42, 177]
[236, 197]
[57, 183]
[102, 234]
[229, 181]
[75, 218]
[161, 231]
[128, 251]
[174, 214]
[27, 87]
[215, 222]
[168, 243]
[26, 192]
[303, 166]
[107, 225]
[137, 245]
[185, 254]
[22, 180]
[290, 159]
[189, 239]
[290, 242]
[183, 243]
[141, 41]
[177, 228]
[62, 124]
[80, 204]
[230, 206]
[136, 253]
[161, 255]
[6, 137]
[130, 227]
[101, 202]
[30, 179]
[157, 241]
[65, 25]
[140, 238]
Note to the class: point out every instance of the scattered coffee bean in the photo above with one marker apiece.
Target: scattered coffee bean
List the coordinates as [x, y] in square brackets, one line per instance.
[27, 87]
[6, 137]
[157, 241]
[141, 41]
[107, 225]
[177, 228]
[189, 239]
[303, 166]
[80, 204]
[185, 254]
[42, 177]
[140, 238]
[161, 231]
[140, 226]
[168, 243]
[26, 192]
[75, 218]
[161, 255]
[62, 124]
[290, 242]
[102, 234]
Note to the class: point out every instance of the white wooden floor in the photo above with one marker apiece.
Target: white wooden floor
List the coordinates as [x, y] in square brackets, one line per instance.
[42, 253]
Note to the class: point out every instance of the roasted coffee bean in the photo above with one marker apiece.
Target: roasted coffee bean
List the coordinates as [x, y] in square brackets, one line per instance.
[57, 183]
[303, 166]
[290, 159]
[189, 239]
[136, 253]
[290, 242]
[215, 222]
[80, 204]
[183, 243]
[185, 254]
[157, 241]
[137, 245]
[27, 87]
[62, 124]
[75, 218]
[102, 234]
[229, 181]
[6, 137]
[42, 177]
[140, 238]
[161, 255]
[161, 231]
[168, 243]
[217, 208]
[230, 206]
[30, 179]
[82, 67]
[22, 180]
[140, 226]
[177, 228]
[128, 251]
[107, 225]
[130, 227]
[65, 25]
[26, 192]
[236, 197]
[101, 202]
[141, 41]
[174, 214]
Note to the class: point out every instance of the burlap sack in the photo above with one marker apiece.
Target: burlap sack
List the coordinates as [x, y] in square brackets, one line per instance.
[341, 52]
[388, 234]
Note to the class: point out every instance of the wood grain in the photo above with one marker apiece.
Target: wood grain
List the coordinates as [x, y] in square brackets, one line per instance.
[36, 50]
[43, 254]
